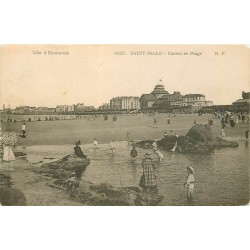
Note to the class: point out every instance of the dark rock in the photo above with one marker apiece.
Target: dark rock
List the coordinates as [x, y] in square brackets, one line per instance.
[106, 195]
[224, 143]
[67, 167]
[201, 133]
[147, 144]
[11, 197]
[63, 175]
[19, 154]
[199, 140]
[5, 180]
[167, 142]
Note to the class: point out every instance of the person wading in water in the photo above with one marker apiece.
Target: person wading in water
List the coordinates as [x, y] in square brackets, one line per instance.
[189, 184]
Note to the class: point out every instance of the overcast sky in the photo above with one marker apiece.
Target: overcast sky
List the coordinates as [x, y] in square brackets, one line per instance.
[94, 74]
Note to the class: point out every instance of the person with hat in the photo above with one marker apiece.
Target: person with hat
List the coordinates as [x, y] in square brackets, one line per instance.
[189, 184]
[148, 178]
[172, 131]
[78, 150]
[166, 134]
[133, 153]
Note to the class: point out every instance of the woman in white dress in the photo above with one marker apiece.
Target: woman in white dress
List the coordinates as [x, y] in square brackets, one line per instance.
[8, 140]
[8, 154]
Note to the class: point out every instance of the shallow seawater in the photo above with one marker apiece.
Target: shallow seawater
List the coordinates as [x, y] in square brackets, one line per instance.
[221, 178]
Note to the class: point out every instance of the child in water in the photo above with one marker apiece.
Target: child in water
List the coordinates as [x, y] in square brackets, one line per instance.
[223, 133]
[159, 154]
[95, 143]
[189, 184]
[112, 146]
[133, 153]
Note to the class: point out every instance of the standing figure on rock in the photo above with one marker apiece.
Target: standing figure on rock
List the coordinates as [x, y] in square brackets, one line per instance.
[189, 184]
[148, 178]
[166, 134]
[78, 150]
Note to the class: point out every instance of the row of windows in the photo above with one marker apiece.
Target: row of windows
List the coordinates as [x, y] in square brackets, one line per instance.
[193, 98]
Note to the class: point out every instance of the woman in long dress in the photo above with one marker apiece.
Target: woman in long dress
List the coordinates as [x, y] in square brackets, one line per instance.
[8, 140]
[8, 154]
[148, 178]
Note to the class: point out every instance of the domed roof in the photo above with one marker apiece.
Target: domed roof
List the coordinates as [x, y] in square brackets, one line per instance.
[159, 89]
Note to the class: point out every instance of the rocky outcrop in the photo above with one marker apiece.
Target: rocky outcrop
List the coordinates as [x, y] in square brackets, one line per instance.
[67, 167]
[105, 194]
[201, 133]
[198, 140]
[5, 180]
[12, 197]
[221, 143]
[185, 144]
[65, 175]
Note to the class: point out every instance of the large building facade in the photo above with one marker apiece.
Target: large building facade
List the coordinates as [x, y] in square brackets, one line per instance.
[160, 99]
[245, 102]
[153, 100]
[65, 108]
[196, 101]
[147, 101]
[125, 103]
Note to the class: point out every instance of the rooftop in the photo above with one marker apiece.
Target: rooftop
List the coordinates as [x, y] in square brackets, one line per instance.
[194, 95]
[149, 97]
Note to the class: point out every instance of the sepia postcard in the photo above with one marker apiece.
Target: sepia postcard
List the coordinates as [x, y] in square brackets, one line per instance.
[124, 125]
